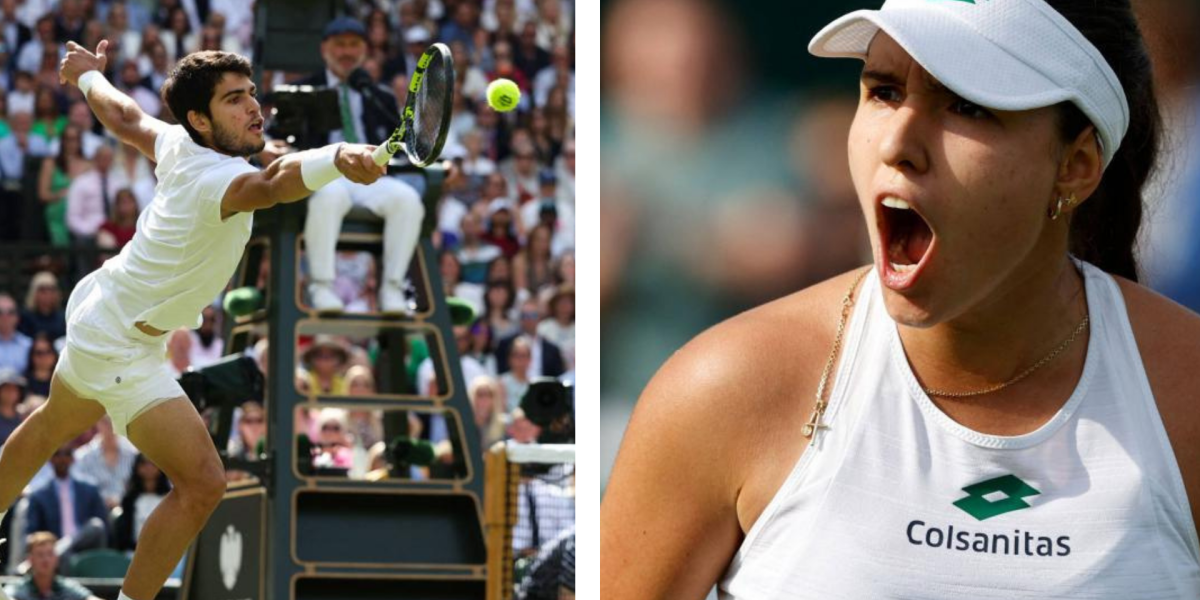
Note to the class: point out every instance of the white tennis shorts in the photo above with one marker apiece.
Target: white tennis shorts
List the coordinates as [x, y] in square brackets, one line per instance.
[112, 362]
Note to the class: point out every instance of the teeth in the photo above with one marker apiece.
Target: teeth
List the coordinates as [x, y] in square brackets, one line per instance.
[902, 268]
[891, 202]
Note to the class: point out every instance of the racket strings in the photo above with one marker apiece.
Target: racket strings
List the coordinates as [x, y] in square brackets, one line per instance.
[429, 110]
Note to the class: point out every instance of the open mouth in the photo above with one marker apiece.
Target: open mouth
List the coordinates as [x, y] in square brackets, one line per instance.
[906, 239]
[256, 126]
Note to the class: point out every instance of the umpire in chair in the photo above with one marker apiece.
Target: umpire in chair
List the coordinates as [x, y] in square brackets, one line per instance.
[369, 114]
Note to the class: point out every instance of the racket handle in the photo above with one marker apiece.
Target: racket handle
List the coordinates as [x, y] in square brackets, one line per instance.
[381, 154]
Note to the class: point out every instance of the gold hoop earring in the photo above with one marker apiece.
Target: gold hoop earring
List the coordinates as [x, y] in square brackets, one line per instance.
[1055, 212]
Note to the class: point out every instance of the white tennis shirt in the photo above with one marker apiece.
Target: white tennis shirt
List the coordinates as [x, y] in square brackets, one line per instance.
[183, 254]
[899, 501]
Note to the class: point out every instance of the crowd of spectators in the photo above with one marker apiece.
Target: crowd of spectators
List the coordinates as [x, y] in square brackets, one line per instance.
[505, 231]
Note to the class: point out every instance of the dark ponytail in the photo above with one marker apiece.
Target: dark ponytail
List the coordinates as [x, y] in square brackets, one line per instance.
[1104, 229]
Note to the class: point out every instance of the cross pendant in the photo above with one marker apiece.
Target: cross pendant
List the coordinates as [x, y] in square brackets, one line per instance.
[814, 423]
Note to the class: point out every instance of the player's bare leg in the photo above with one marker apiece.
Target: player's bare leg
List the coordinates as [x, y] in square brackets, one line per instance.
[173, 436]
[61, 419]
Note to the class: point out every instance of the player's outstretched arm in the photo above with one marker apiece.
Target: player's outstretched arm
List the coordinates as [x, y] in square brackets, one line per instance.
[295, 176]
[118, 112]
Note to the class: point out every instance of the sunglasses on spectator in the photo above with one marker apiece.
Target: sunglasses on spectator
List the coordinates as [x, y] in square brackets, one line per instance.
[253, 420]
[331, 428]
[529, 314]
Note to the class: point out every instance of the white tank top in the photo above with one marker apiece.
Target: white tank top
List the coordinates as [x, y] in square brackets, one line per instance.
[899, 501]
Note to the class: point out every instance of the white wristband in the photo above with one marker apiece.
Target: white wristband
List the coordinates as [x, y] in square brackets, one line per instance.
[87, 80]
[317, 167]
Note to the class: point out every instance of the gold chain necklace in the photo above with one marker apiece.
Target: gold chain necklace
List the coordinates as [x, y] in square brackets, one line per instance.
[1041, 363]
[814, 424]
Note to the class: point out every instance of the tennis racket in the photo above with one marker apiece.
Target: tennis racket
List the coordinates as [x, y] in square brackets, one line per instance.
[425, 119]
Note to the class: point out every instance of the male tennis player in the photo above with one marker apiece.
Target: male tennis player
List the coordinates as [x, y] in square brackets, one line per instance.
[188, 242]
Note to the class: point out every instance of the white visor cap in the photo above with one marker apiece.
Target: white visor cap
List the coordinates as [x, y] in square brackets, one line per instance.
[1000, 54]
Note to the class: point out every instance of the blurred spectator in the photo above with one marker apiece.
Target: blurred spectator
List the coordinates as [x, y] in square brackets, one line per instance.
[415, 41]
[251, 428]
[471, 80]
[120, 30]
[43, 311]
[454, 286]
[487, 402]
[546, 359]
[207, 347]
[12, 393]
[54, 183]
[14, 345]
[475, 164]
[160, 67]
[427, 384]
[474, 253]
[549, 210]
[498, 314]
[119, 228]
[533, 268]
[30, 56]
[42, 359]
[148, 486]
[91, 196]
[23, 95]
[564, 167]
[14, 32]
[460, 28]
[553, 23]
[71, 20]
[133, 85]
[334, 444]
[502, 230]
[105, 462]
[178, 36]
[516, 378]
[529, 57]
[521, 172]
[135, 171]
[43, 582]
[68, 507]
[80, 115]
[559, 73]
[325, 361]
[48, 124]
[559, 326]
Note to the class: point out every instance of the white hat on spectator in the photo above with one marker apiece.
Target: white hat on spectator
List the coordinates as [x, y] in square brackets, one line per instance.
[499, 204]
[454, 150]
[416, 35]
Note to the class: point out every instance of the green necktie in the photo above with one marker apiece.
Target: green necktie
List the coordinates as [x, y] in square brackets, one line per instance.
[348, 131]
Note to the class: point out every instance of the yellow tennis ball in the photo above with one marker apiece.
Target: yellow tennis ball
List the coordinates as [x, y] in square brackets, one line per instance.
[503, 95]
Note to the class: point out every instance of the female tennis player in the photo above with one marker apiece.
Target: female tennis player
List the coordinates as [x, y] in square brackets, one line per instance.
[995, 409]
[188, 243]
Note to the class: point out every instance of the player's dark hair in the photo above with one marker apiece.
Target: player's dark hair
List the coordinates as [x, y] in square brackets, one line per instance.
[191, 84]
[1104, 229]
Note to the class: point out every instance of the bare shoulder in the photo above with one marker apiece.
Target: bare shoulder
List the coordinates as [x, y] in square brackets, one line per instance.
[1168, 339]
[711, 440]
[758, 365]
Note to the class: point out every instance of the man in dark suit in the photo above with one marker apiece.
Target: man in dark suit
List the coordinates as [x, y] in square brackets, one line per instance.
[547, 359]
[68, 507]
[369, 114]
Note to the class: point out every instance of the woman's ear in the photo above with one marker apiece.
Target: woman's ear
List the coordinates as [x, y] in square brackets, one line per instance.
[1081, 166]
